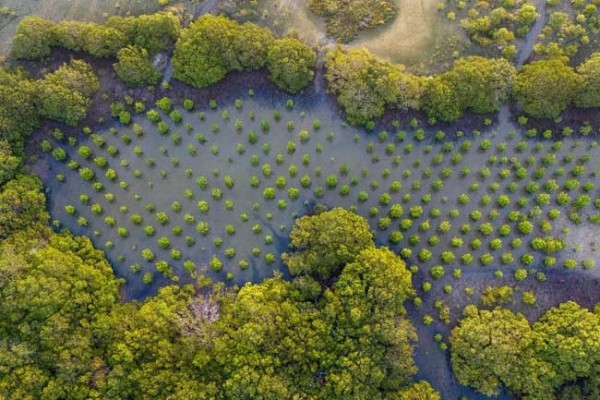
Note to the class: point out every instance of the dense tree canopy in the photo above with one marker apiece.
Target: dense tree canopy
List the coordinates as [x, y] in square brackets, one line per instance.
[291, 64]
[441, 99]
[51, 298]
[494, 348]
[33, 38]
[64, 95]
[36, 36]
[476, 83]
[201, 55]
[366, 85]
[421, 390]
[270, 342]
[324, 243]
[568, 338]
[214, 45]
[64, 334]
[18, 114]
[482, 84]
[22, 205]
[487, 346]
[154, 32]
[9, 162]
[589, 92]
[135, 68]
[545, 88]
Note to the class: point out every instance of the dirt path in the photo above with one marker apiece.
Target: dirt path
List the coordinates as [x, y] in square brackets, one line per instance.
[532, 36]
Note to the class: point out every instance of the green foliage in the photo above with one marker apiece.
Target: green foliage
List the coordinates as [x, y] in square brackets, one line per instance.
[365, 85]
[22, 205]
[421, 390]
[60, 289]
[493, 348]
[36, 36]
[488, 347]
[482, 84]
[154, 32]
[322, 244]
[291, 64]
[33, 38]
[475, 83]
[9, 163]
[18, 114]
[344, 19]
[545, 88]
[64, 95]
[588, 94]
[213, 46]
[135, 68]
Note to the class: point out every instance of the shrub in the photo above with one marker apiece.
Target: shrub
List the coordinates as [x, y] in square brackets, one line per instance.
[164, 242]
[424, 255]
[447, 257]
[216, 264]
[331, 181]
[436, 272]
[570, 263]
[520, 274]
[162, 218]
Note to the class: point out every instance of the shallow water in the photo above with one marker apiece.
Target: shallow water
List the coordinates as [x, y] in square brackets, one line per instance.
[373, 163]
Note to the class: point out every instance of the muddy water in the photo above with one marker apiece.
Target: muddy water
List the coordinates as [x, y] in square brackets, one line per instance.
[373, 162]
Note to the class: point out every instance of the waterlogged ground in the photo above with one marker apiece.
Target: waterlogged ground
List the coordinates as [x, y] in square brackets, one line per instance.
[245, 173]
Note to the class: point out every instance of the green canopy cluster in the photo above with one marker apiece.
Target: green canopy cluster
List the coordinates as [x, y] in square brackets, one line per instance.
[366, 86]
[556, 357]
[213, 46]
[63, 95]
[35, 36]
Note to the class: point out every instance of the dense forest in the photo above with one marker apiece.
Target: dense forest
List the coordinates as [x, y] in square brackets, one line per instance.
[332, 320]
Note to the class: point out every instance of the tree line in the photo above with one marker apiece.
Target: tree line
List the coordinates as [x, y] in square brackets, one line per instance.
[204, 53]
[366, 86]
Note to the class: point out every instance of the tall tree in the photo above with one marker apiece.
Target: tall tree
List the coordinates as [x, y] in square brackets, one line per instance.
[323, 244]
[589, 92]
[34, 38]
[487, 348]
[135, 68]
[482, 84]
[568, 338]
[18, 114]
[291, 64]
[546, 88]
